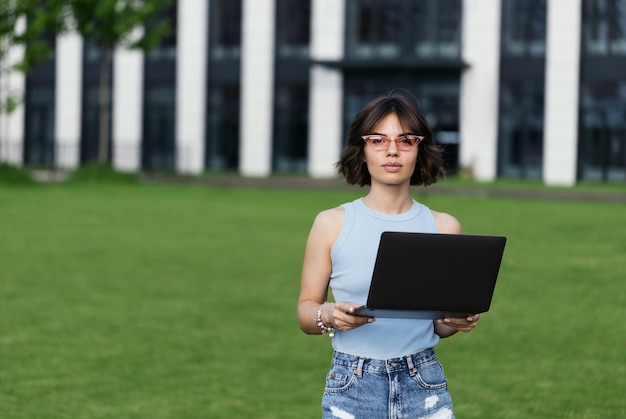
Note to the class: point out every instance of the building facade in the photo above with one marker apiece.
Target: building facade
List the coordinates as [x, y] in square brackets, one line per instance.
[524, 89]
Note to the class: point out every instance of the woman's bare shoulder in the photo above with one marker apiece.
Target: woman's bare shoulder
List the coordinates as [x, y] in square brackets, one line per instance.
[330, 219]
[446, 223]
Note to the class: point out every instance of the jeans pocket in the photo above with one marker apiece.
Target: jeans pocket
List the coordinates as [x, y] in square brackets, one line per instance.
[339, 379]
[430, 375]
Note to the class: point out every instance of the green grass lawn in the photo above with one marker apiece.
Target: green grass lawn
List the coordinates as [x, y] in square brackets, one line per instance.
[121, 300]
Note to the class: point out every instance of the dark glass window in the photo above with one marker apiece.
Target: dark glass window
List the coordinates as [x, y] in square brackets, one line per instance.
[222, 148]
[293, 28]
[437, 25]
[524, 28]
[603, 131]
[158, 150]
[39, 102]
[604, 31]
[373, 22]
[166, 50]
[520, 153]
[401, 29]
[39, 146]
[291, 86]
[225, 28]
[96, 102]
[291, 128]
[522, 81]
[224, 69]
[602, 134]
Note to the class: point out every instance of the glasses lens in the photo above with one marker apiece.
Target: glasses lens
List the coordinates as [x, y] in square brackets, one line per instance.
[406, 142]
[378, 142]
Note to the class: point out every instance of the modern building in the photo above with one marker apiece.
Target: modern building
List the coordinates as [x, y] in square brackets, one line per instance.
[524, 89]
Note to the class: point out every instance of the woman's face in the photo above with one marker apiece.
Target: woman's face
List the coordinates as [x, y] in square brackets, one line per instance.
[390, 166]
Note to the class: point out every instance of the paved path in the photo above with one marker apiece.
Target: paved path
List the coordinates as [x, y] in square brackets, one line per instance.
[569, 194]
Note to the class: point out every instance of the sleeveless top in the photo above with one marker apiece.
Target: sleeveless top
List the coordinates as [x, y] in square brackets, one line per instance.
[353, 256]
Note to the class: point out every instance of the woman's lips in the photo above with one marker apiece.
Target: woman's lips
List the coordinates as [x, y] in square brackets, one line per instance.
[392, 167]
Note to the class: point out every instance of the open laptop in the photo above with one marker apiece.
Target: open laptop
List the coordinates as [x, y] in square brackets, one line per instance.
[430, 276]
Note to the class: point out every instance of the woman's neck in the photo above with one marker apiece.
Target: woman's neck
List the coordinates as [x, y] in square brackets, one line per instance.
[389, 200]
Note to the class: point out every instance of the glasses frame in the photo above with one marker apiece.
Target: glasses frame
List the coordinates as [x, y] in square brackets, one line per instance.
[387, 141]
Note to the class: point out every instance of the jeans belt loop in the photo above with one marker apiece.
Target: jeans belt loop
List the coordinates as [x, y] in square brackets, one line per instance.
[359, 369]
[411, 366]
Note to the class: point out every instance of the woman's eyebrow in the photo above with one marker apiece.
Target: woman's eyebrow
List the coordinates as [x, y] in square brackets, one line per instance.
[385, 135]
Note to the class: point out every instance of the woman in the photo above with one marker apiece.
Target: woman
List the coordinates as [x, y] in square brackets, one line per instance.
[380, 367]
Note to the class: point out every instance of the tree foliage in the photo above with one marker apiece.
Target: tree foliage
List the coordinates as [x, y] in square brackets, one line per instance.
[106, 23]
[42, 18]
[110, 23]
[38, 19]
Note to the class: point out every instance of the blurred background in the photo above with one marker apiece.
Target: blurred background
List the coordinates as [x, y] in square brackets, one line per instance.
[519, 89]
[133, 300]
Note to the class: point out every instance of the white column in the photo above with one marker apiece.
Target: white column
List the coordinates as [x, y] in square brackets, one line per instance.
[480, 88]
[127, 108]
[562, 84]
[13, 85]
[68, 100]
[191, 74]
[326, 88]
[257, 87]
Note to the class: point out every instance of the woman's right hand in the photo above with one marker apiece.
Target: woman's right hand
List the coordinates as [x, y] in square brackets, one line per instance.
[340, 315]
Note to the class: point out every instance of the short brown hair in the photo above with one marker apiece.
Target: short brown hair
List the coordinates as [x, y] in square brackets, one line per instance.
[429, 164]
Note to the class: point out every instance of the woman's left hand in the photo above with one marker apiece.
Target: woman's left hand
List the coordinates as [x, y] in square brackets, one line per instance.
[464, 324]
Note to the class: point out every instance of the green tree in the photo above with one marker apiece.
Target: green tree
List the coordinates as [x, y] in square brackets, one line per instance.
[8, 28]
[109, 24]
[25, 22]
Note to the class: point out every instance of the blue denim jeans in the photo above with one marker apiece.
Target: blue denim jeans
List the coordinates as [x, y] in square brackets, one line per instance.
[410, 387]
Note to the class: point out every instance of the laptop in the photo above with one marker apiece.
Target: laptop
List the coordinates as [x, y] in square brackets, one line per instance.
[431, 276]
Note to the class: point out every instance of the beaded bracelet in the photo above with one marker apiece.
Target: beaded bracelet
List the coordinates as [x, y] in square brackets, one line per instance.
[320, 323]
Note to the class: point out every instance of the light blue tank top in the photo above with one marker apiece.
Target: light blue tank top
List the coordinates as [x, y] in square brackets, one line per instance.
[353, 256]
